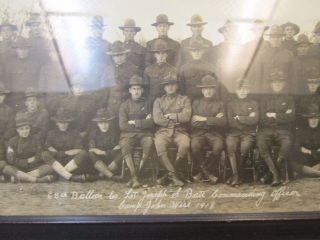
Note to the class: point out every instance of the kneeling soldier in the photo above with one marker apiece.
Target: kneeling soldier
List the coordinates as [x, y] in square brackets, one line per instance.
[243, 117]
[207, 122]
[65, 149]
[136, 125]
[277, 117]
[104, 150]
[172, 112]
[24, 155]
[307, 145]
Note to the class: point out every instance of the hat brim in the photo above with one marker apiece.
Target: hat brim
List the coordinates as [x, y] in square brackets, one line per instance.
[313, 80]
[4, 92]
[137, 29]
[295, 27]
[118, 53]
[21, 46]
[195, 49]
[101, 119]
[25, 123]
[29, 23]
[197, 24]
[311, 115]
[160, 50]
[62, 119]
[12, 26]
[156, 24]
[206, 85]
[169, 82]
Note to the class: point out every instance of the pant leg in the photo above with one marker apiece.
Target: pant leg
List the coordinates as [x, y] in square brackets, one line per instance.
[232, 143]
[127, 144]
[284, 139]
[162, 141]
[216, 142]
[83, 162]
[246, 143]
[49, 157]
[197, 147]
[147, 145]
[264, 142]
[183, 143]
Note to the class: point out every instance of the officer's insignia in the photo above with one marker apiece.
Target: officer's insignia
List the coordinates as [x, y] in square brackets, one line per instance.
[284, 103]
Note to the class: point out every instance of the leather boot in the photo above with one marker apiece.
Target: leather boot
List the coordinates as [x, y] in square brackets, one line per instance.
[175, 179]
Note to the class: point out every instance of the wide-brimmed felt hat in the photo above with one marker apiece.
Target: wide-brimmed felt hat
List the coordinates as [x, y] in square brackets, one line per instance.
[259, 25]
[312, 72]
[196, 20]
[228, 25]
[130, 23]
[97, 22]
[63, 115]
[303, 39]
[22, 43]
[136, 80]
[275, 30]
[3, 90]
[278, 75]
[196, 45]
[170, 78]
[118, 48]
[316, 28]
[160, 45]
[313, 111]
[208, 81]
[293, 25]
[22, 119]
[103, 115]
[162, 19]
[8, 24]
[35, 18]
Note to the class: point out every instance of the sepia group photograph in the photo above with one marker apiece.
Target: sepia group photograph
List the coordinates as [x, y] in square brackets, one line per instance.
[155, 110]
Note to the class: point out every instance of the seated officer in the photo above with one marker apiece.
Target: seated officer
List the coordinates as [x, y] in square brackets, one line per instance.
[277, 116]
[38, 116]
[24, 155]
[136, 126]
[171, 114]
[64, 151]
[243, 117]
[207, 127]
[104, 150]
[307, 145]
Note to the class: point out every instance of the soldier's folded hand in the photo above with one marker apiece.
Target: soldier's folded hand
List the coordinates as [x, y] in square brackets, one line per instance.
[236, 117]
[305, 150]
[197, 118]
[219, 115]
[116, 147]
[271, 115]
[51, 149]
[97, 151]
[31, 159]
[289, 111]
[132, 122]
[149, 116]
[72, 152]
[10, 150]
[252, 114]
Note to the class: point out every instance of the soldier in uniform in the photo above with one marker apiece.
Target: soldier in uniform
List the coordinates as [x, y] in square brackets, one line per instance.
[24, 158]
[194, 70]
[275, 57]
[196, 25]
[307, 145]
[136, 126]
[277, 117]
[171, 113]
[315, 47]
[37, 114]
[290, 30]
[39, 42]
[22, 72]
[208, 124]
[104, 150]
[64, 150]
[162, 25]
[154, 73]
[137, 53]
[243, 117]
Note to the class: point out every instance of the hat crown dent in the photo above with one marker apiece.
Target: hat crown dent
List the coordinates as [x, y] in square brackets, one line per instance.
[208, 80]
[129, 22]
[162, 18]
[103, 115]
[63, 115]
[21, 119]
[196, 19]
[277, 75]
[136, 80]
[303, 38]
[160, 45]
[118, 46]
[276, 30]
[313, 110]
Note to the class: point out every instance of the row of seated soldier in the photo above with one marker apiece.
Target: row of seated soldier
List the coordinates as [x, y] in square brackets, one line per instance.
[77, 147]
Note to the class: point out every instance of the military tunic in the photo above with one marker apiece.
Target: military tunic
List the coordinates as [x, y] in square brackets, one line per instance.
[137, 54]
[39, 49]
[172, 130]
[7, 122]
[142, 131]
[97, 48]
[173, 55]
[153, 75]
[290, 45]
[302, 105]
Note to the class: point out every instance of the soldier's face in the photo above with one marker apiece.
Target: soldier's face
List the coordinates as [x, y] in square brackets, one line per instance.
[35, 29]
[32, 104]
[119, 59]
[7, 33]
[62, 126]
[303, 50]
[196, 30]
[208, 92]
[2, 97]
[242, 93]
[275, 41]
[171, 88]
[162, 29]
[136, 92]
[161, 57]
[196, 54]
[24, 131]
[97, 32]
[22, 53]
[103, 126]
[313, 122]
[289, 32]
[313, 87]
[277, 86]
[129, 34]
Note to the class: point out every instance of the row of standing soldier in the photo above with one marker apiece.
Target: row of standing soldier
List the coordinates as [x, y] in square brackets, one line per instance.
[109, 82]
